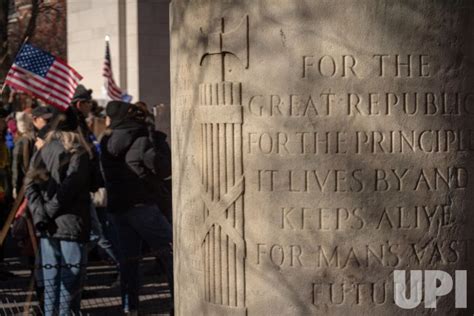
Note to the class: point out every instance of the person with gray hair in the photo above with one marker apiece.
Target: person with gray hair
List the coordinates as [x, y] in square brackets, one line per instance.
[23, 150]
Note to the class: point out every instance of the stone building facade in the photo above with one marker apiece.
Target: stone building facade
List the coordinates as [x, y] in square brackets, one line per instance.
[139, 44]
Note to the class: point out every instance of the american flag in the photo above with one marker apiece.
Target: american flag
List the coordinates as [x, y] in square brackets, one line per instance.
[44, 76]
[113, 91]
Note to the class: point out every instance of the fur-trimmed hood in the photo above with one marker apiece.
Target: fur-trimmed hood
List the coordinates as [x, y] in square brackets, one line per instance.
[24, 123]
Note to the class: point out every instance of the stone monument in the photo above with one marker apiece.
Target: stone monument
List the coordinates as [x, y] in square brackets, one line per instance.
[323, 157]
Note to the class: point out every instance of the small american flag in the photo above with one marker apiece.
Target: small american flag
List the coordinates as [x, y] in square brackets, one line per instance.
[44, 76]
[113, 91]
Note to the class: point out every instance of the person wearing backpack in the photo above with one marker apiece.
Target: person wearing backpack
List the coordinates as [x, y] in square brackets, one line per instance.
[131, 167]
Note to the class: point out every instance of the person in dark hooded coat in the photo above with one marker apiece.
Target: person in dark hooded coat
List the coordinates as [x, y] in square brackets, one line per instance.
[131, 166]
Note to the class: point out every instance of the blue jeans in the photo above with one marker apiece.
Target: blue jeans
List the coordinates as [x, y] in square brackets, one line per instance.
[134, 225]
[99, 238]
[63, 272]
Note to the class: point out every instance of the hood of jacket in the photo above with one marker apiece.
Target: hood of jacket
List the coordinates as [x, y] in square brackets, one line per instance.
[120, 139]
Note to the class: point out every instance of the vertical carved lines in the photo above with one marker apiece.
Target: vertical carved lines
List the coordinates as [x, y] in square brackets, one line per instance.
[222, 170]
[216, 185]
[223, 190]
[230, 181]
[226, 273]
[203, 248]
[236, 295]
[206, 243]
[239, 213]
[225, 267]
[233, 171]
[208, 247]
[232, 276]
[213, 266]
[220, 268]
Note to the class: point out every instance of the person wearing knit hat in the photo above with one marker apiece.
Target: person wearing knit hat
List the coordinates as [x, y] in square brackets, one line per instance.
[116, 112]
[131, 167]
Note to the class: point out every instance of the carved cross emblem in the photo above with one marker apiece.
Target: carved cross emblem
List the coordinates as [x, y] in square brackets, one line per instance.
[234, 42]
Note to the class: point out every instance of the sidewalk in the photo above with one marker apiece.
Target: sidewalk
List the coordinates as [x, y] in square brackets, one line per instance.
[98, 297]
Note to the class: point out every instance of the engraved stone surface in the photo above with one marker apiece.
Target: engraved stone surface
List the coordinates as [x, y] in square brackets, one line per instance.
[318, 147]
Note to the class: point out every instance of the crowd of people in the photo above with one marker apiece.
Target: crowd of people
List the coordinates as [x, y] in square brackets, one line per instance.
[71, 189]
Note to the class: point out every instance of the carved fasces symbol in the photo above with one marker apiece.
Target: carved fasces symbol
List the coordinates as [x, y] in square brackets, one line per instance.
[223, 244]
[220, 112]
[234, 42]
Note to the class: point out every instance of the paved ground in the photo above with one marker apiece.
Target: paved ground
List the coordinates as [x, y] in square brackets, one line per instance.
[99, 298]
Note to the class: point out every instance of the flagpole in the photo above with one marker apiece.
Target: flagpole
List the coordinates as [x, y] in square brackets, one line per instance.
[16, 55]
[104, 85]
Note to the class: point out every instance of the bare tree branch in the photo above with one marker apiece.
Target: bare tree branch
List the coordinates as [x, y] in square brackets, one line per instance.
[30, 29]
[33, 24]
[3, 38]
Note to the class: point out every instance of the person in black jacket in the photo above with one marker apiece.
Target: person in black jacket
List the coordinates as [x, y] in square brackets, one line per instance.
[158, 138]
[81, 105]
[57, 189]
[132, 166]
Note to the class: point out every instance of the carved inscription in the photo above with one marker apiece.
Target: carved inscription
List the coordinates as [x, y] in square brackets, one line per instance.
[330, 219]
[307, 143]
[355, 293]
[343, 165]
[387, 254]
[370, 104]
[385, 65]
[361, 180]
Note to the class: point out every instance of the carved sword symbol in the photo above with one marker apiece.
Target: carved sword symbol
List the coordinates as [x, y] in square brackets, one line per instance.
[234, 42]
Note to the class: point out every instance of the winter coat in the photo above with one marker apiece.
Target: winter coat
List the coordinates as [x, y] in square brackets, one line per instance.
[57, 189]
[163, 197]
[97, 180]
[5, 176]
[22, 153]
[132, 167]
[23, 149]
[159, 140]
